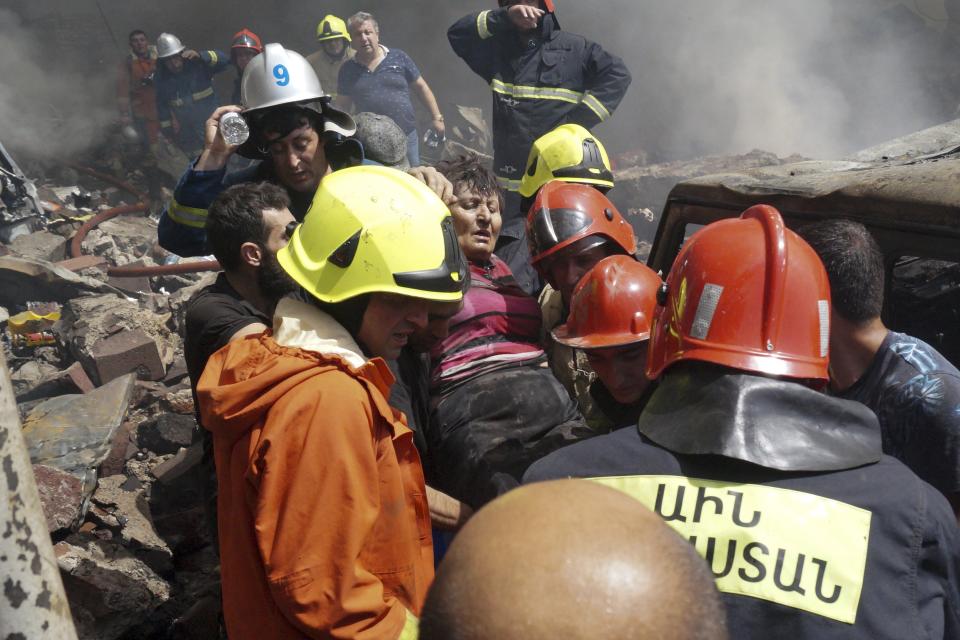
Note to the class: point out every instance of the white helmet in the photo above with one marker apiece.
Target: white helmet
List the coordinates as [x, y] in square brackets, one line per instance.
[168, 45]
[281, 76]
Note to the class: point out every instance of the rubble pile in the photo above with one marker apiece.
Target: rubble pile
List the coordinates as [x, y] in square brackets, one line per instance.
[97, 369]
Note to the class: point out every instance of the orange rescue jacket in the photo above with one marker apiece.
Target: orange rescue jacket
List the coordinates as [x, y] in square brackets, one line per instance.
[324, 527]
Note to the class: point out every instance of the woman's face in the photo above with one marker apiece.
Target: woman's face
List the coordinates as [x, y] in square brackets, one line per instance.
[476, 219]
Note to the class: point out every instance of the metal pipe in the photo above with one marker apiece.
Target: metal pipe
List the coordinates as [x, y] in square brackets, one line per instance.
[32, 601]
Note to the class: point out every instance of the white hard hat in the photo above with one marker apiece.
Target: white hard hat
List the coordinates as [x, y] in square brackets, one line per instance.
[281, 76]
[168, 45]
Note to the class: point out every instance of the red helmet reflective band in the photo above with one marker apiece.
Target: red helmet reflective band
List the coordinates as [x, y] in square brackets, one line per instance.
[565, 212]
[748, 294]
[613, 305]
[246, 39]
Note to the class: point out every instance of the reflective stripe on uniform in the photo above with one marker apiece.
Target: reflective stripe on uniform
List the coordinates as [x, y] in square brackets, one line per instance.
[213, 58]
[482, 27]
[796, 549]
[166, 124]
[176, 102]
[188, 216]
[596, 106]
[536, 93]
[508, 184]
[200, 95]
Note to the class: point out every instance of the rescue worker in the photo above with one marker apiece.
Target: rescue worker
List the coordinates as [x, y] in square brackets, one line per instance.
[136, 93]
[610, 315]
[541, 77]
[245, 45]
[295, 132]
[912, 388]
[334, 50]
[570, 228]
[185, 94]
[810, 530]
[320, 484]
[574, 560]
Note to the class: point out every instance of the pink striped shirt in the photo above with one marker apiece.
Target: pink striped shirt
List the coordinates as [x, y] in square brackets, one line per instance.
[498, 327]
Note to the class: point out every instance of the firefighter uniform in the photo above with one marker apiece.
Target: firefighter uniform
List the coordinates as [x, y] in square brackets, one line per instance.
[810, 532]
[546, 79]
[189, 98]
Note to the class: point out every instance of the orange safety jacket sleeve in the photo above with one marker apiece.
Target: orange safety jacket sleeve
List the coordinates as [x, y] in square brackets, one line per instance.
[317, 499]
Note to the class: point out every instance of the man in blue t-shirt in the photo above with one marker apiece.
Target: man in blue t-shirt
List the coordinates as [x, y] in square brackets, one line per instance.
[379, 80]
[914, 390]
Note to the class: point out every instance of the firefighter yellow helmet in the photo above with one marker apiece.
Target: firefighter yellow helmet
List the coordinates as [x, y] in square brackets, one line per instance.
[331, 28]
[376, 230]
[569, 153]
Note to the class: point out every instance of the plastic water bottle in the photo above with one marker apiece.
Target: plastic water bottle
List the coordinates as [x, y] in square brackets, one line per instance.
[234, 128]
[432, 139]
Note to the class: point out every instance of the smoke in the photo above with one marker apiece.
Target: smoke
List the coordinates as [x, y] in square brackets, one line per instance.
[47, 108]
[817, 77]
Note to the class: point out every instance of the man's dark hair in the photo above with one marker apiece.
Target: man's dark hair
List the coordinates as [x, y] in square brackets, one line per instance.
[284, 120]
[470, 172]
[854, 265]
[136, 32]
[236, 216]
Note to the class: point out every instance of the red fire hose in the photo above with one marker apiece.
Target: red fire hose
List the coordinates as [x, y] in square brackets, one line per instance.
[129, 271]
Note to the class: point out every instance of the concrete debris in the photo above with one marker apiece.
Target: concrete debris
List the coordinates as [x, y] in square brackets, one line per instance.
[167, 433]
[62, 497]
[89, 323]
[126, 352]
[40, 245]
[73, 432]
[24, 279]
[125, 499]
[73, 379]
[109, 588]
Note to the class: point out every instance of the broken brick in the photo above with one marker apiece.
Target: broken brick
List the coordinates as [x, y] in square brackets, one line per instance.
[125, 352]
[131, 284]
[61, 495]
[82, 262]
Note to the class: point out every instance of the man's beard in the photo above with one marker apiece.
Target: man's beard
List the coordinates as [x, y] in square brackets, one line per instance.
[273, 281]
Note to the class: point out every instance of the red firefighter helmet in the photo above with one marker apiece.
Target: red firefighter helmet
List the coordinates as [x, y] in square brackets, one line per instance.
[246, 39]
[565, 212]
[749, 294]
[613, 305]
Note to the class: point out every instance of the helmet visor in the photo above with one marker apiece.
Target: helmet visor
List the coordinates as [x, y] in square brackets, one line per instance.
[449, 277]
[551, 227]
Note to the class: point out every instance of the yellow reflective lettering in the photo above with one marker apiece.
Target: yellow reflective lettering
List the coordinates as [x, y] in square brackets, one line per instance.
[796, 549]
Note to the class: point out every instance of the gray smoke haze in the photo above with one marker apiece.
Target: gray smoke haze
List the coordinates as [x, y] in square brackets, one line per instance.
[48, 107]
[816, 77]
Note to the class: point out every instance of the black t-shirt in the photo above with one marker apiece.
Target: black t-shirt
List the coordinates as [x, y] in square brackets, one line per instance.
[213, 315]
[915, 393]
[411, 395]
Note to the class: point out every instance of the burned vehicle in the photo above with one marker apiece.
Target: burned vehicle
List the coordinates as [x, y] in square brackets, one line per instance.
[907, 192]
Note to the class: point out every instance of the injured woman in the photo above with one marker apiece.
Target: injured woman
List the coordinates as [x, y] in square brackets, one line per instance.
[497, 406]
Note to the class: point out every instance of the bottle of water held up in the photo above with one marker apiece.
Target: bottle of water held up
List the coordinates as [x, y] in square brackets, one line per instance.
[234, 128]
[432, 139]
